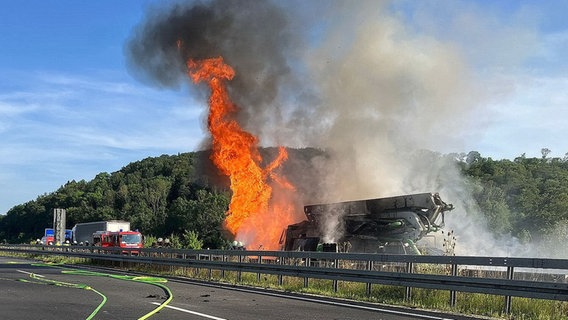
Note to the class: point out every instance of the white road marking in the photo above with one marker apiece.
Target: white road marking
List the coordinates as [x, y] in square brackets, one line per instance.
[192, 312]
[336, 303]
[30, 273]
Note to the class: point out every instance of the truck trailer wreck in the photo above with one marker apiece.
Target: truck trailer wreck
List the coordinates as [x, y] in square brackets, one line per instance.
[381, 225]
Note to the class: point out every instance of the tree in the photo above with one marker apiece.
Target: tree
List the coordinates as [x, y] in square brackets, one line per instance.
[191, 240]
[204, 214]
[472, 157]
[544, 152]
[492, 202]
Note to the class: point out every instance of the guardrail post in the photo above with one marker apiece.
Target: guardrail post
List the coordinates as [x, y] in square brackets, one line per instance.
[454, 272]
[408, 293]
[508, 299]
[239, 273]
[258, 274]
[280, 277]
[197, 269]
[172, 256]
[210, 273]
[224, 258]
[184, 268]
[335, 282]
[306, 279]
[368, 285]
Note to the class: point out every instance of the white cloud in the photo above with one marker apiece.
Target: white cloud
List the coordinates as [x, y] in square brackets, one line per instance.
[63, 127]
[12, 109]
[530, 118]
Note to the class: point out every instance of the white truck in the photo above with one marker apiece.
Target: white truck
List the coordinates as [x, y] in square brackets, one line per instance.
[83, 232]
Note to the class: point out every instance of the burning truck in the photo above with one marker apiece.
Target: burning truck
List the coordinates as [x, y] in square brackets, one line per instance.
[381, 225]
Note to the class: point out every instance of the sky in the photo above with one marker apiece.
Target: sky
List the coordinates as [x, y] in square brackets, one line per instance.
[72, 107]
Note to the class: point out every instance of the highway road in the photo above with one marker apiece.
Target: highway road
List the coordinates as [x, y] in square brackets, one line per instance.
[30, 290]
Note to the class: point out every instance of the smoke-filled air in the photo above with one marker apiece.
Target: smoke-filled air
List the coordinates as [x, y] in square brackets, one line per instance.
[350, 78]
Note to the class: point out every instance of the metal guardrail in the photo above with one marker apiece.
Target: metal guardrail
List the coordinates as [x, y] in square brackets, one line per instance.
[499, 275]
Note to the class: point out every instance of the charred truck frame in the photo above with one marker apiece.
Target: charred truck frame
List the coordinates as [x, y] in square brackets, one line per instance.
[382, 225]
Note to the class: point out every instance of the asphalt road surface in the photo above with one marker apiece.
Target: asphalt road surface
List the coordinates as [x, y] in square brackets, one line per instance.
[30, 290]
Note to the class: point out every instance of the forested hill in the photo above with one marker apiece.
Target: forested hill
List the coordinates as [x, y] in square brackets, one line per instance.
[525, 197]
[160, 196]
[177, 194]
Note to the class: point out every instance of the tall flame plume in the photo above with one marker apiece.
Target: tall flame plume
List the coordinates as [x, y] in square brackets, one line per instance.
[254, 214]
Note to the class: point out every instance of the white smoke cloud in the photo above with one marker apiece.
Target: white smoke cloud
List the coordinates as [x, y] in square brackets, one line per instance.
[384, 94]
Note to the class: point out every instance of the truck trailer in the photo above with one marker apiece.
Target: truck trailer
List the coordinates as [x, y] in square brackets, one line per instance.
[383, 225]
[83, 232]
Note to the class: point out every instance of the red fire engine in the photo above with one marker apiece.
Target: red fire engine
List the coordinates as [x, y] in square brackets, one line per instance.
[121, 239]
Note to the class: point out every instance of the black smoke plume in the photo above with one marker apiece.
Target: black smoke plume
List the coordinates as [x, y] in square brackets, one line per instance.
[251, 36]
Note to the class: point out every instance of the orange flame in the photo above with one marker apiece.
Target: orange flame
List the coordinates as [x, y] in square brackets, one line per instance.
[254, 214]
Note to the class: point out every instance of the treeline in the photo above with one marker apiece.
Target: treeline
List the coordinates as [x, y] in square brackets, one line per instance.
[160, 196]
[524, 197]
[182, 197]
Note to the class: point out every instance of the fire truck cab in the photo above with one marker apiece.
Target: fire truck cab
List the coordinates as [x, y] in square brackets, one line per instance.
[120, 239]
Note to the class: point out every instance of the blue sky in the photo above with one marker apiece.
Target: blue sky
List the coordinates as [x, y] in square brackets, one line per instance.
[69, 108]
